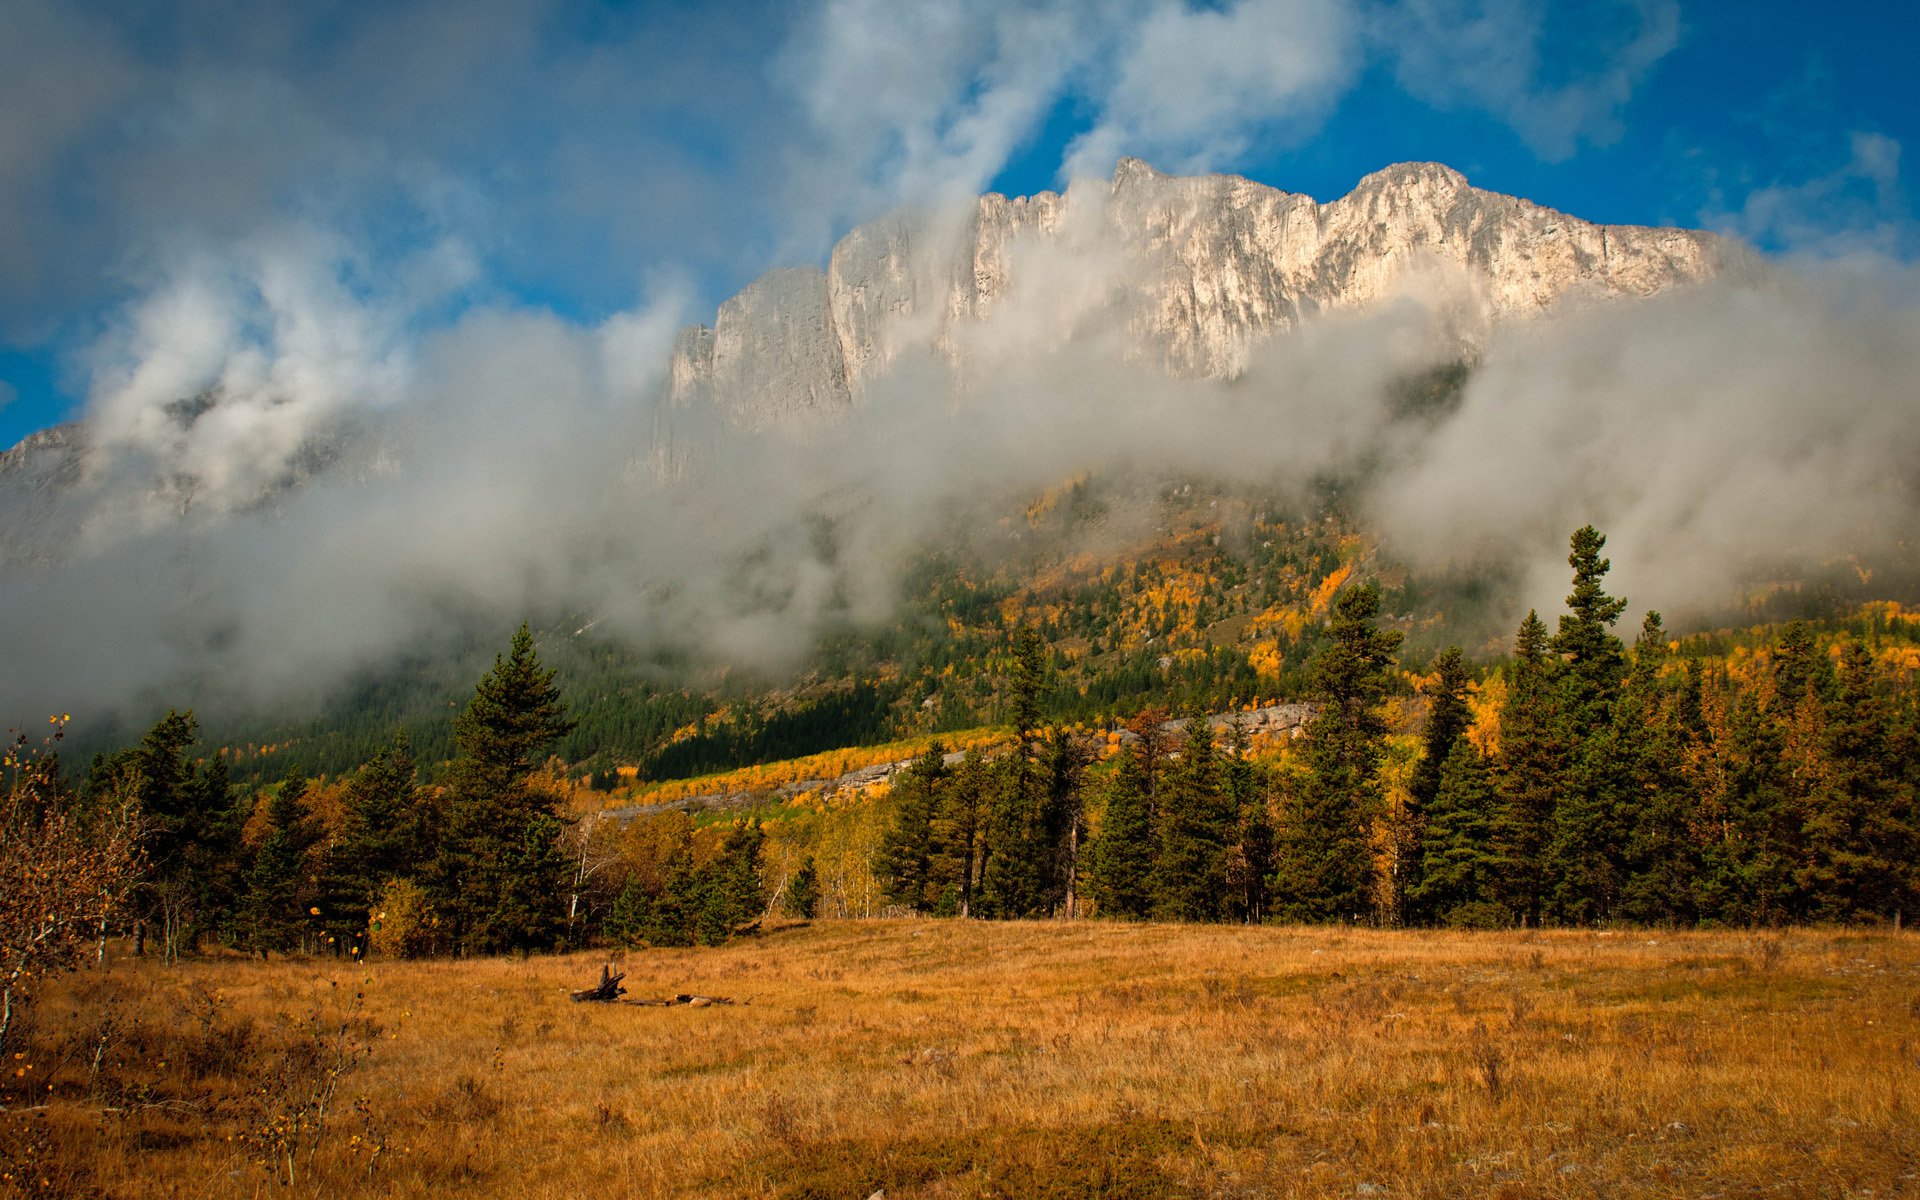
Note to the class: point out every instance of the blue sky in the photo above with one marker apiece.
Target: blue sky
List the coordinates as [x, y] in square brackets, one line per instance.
[184, 186]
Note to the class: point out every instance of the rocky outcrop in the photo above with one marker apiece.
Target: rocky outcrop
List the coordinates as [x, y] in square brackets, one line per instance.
[1198, 270]
[35, 478]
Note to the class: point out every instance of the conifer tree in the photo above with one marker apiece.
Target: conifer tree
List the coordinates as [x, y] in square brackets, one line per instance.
[1531, 766]
[501, 876]
[1862, 842]
[1124, 854]
[190, 837]
[386, 834]
[803, 890]
[1324, 870]
[1250, 862]
[960, 831]
[731, 890]
[1190, 875]
[1460, 867]
[1584, 858]
[1649, 748]
[909, 851]
[1447, 720]
[278, 887]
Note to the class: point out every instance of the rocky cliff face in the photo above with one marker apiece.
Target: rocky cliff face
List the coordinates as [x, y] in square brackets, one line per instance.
[1199, 270]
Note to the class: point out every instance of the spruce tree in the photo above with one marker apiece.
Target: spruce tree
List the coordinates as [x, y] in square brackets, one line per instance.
[386, 833]
[909, 849]
[1584, 858]
[278, 886]
[1529, 773]
[960, 827]
[1651, 737]
[803, 890]
[501, 877]
[1123, 855]
[1250, 861]
[1324, 870]
[1190, 875]
[1448, 717]
[1460, 865]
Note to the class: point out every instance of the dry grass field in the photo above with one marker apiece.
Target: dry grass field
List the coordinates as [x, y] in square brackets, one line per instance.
[950, 1059]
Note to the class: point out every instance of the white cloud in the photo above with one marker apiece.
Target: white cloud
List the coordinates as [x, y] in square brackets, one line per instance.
[1501, 56]
[1195, 86]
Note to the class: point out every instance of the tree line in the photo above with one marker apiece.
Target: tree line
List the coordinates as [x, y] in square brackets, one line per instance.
[1579, 782]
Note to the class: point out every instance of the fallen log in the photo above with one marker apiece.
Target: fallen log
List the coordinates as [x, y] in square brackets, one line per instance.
[691, 1001]
[606, 991]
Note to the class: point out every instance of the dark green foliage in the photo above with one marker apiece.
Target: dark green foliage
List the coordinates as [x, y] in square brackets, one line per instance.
[1532, 764]
[910, 851]
[1250, 857]
[803, 891]
[1196, 829]
[388, 830]
[1447, 721]
[191, 837]
[1323, 871]
[1123, 859]
[1594, 660]
[730, 888]
[500, 876]
[279, 886]
[1460, 865]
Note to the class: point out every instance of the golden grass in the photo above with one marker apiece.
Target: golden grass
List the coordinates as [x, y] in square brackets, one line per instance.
[948, 1059]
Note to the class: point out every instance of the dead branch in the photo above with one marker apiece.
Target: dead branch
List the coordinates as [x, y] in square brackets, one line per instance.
[607, 991]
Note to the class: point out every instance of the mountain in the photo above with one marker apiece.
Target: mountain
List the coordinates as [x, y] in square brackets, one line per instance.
[1198, 270]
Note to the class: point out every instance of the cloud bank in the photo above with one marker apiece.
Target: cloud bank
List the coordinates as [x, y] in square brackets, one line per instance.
[359, 383]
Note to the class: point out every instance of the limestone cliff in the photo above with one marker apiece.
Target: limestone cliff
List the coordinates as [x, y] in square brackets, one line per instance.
[1199, 269]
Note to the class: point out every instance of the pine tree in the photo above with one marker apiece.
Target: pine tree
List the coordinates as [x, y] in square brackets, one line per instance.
[1862, 841]
[278, 887]
[1460, 866]
[1250, 861]
[386, 833]
[1590, 825]
[910, 849]
[1447, 720]
[1190, 875]
[191, 836]
[731, 890]
[1123, 855]
[1594, 659]
[1650, 736]
[1531, 766]
[803, 890]
[960, 833]
[501, 876]
[1324, 868]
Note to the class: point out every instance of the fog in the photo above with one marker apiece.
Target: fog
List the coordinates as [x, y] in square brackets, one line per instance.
[342, 499]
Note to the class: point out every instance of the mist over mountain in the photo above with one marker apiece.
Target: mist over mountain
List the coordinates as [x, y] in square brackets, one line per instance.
[247, 519]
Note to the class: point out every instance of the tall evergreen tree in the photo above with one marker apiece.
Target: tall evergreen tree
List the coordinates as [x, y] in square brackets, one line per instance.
[191, 837]
[386, 833]
[960, 829]
[1324, 870]
[1649, 739]
[501, 876]
[1250, 862]
[1532, 765]
[279, 885]
[910, 850]
[1196, 827]
[1585, 856]
[1124, 854]
[1448, 717]
[1460, 866]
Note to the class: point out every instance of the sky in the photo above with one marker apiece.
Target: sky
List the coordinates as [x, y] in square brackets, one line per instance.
[366, 308]
[411, 163]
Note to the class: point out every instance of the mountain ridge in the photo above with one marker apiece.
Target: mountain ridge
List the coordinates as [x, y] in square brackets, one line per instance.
[1200, 269]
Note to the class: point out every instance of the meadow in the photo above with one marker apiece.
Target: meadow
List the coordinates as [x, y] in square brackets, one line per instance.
[962, 1059]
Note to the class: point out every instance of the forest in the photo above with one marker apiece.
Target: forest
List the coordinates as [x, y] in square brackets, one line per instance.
[1757, 779]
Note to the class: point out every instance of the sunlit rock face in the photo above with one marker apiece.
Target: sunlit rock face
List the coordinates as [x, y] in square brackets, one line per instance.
[1195, 271]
